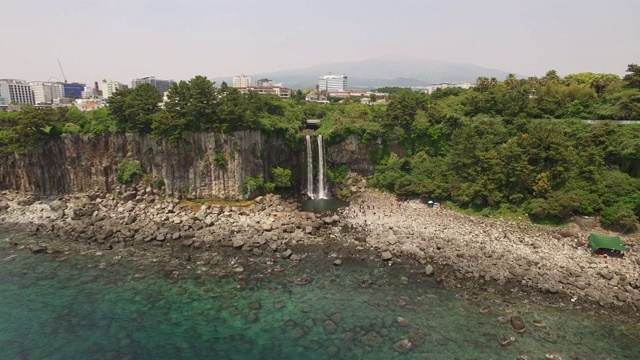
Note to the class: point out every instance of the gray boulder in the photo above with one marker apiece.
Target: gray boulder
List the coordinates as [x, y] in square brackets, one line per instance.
[37, 249]
[57, 205]
[517, 324]
[128, 196]
[428, 270]
[238, 243]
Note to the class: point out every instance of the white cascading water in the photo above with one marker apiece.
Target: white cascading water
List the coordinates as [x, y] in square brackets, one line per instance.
[321, 188]
[309, 168]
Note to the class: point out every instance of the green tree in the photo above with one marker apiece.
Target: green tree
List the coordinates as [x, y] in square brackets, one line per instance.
[31, 127]
[133, 108]
[165, 125]
[281, 177]
[632, 79]
[201, 106]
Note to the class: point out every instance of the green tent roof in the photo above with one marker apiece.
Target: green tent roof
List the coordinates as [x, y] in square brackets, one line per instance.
[606, 242]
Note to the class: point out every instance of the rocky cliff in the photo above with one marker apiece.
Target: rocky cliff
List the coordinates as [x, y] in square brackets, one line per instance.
[205, 165]
[353, 154]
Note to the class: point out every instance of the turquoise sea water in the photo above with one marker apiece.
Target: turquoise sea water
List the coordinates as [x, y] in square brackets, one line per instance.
[70, 307]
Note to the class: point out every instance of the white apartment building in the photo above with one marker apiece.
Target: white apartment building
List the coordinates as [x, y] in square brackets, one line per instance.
[88, 93]
[282, 92]
[429, 89]
[109, 87]
[332, 83]
[15, 91]
[45, 92]
[241, 81]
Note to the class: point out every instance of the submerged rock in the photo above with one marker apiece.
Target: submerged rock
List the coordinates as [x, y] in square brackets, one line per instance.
[403, 346]
[386, 256]
[337, 262]
[333, 350]
[372, 339]
[296, 333]
[329, 326]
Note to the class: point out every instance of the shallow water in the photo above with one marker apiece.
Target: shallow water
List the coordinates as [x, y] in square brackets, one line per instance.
[67, 307]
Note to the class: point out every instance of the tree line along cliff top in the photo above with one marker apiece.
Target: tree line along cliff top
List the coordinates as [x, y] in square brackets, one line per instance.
[476, 148]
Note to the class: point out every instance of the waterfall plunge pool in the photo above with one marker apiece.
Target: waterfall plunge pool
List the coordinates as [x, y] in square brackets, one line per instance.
[322, 205]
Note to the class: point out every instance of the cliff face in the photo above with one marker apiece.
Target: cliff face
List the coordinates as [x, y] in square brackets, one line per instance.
[353, 154]
[78, 163]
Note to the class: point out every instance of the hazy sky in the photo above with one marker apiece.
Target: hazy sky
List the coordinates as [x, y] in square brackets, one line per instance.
[122, 39]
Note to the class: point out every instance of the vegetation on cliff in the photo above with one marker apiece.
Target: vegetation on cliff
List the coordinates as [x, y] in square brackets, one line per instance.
[500, 146]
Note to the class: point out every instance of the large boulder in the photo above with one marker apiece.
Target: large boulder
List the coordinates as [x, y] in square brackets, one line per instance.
[28, 200]
[37, 249]
[128, 196]
[517, 324]
[57, 205]
[428, 270]
[386, 256]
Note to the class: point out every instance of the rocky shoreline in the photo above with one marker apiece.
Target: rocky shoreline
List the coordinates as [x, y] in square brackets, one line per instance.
[520, 260]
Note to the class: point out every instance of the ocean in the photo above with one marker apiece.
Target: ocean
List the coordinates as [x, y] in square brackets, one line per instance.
[64, 306]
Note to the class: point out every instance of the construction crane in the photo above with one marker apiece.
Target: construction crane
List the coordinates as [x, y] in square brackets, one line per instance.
[62, 71]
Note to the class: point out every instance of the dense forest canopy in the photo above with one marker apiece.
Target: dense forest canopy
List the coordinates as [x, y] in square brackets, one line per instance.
[515, 145]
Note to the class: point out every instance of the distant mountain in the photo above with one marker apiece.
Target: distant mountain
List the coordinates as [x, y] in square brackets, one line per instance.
[379, 72]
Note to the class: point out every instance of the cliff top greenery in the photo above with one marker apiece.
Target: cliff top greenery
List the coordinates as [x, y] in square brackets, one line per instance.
[504, 146]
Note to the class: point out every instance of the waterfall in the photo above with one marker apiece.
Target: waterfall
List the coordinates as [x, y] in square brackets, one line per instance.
[321, 182]
[309, 168]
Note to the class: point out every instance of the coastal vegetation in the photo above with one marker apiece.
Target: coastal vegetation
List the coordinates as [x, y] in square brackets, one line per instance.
[511, 146]
[128, 170]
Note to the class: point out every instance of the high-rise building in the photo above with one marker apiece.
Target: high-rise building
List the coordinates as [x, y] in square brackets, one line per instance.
[241, 81]
[332, 83]
[45, 92]
[160, 85]
[264, 82]
[110, 86]
[73, 90]
[15, 91]
[88, 93]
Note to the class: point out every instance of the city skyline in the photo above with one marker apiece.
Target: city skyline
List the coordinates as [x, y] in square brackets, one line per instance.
[178, 40]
